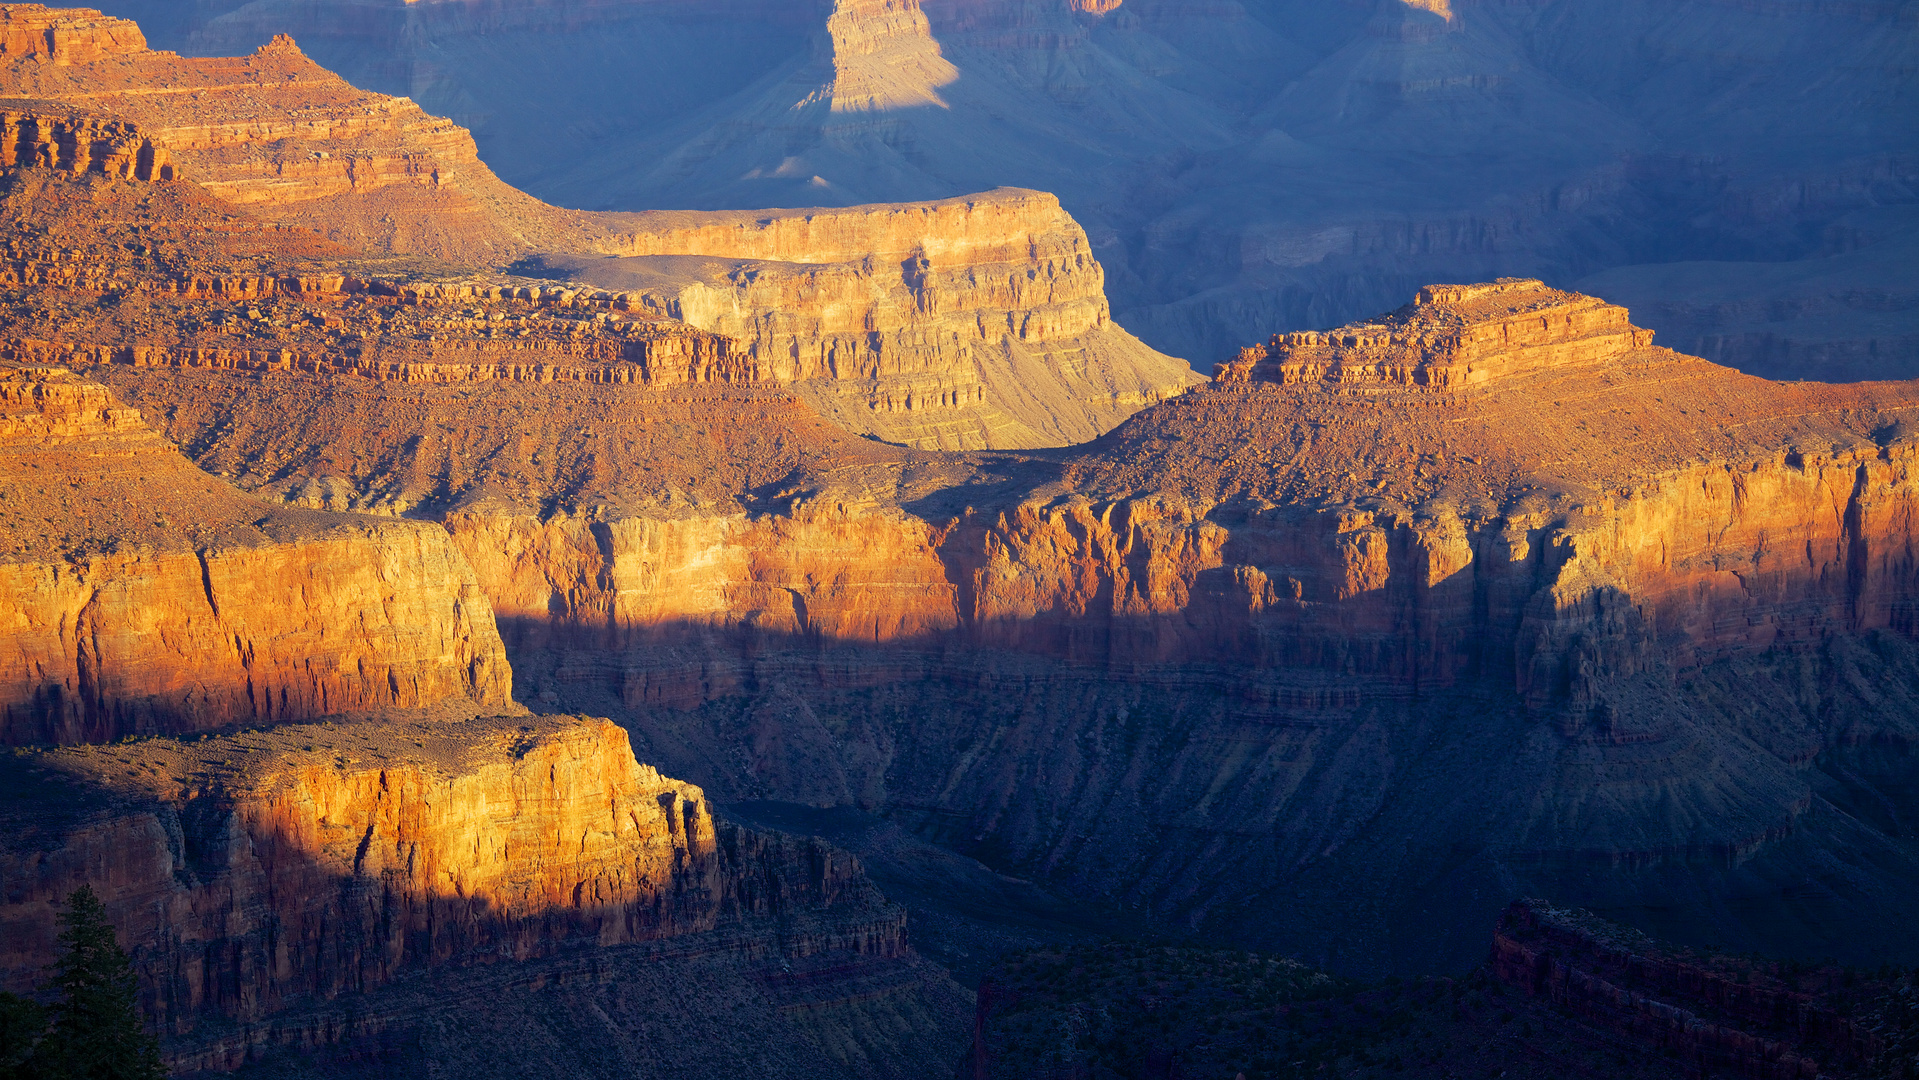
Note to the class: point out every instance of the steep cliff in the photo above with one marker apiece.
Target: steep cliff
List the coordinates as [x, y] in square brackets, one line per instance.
[968, 323]
[276, 131]
[270, 885]
[1469, 598]
[146, 596]
[977, 322]
[1740, 1016]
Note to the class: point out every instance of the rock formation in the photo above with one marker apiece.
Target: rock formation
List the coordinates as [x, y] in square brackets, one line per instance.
[883, 58]
[149, 597]
[969, 323]
[1450, 337]
[1717, 1015]
[1391, 622]
[1245, 167]
[275, 130]
[978, 322]
[264, 875]
[1470, 593]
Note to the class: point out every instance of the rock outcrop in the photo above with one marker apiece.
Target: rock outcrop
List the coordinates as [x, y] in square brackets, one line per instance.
[81, 145]
[1483, 607]
[883, 58]
[277, 132]
[967, 323]
[146, 596]
[259, 876]
[1716, 1014]
[64, 37]
[1449, 337]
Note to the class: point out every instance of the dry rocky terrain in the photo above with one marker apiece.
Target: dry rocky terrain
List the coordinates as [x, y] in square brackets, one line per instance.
[1486, 596]
[1740, 175]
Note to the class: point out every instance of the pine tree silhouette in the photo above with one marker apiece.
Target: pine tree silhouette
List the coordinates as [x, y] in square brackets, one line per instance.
[97, 1033]
[23, 1023]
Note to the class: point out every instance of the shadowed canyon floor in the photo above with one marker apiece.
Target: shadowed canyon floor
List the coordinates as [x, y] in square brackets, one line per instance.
[1330, 657]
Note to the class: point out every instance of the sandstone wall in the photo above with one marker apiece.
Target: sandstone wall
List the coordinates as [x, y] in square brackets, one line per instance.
[260, 872]
[122, 621]
[966, 323]
[33, 31]
[1710, 561]
[378, 615]
[81, 145]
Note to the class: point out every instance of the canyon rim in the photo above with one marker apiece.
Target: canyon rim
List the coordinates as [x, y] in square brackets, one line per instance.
[756, 599]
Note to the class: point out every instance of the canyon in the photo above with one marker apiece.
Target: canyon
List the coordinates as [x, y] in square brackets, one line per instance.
[1463, 600]
[1244, 167]
[326, 455]
[309, 890]
[980, 323]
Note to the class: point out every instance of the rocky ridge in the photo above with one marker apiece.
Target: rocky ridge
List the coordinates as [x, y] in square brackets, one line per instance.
[262, 875]
[1715, 1014]
[971, 323]
[1431, 635]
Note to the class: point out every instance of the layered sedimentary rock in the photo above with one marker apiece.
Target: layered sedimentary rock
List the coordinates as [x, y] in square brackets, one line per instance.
[258, 879]
[30, 32]
[979, 322]
[1481, 602]
[81, 145]
[1245, 168]
[883, 58]
[1450, 337]
[274, 130]
[147, 596]
[1716, 1014]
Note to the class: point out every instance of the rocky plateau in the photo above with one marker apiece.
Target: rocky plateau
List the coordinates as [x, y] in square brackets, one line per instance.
[1733, 173]
[325, 453]
[975, 323]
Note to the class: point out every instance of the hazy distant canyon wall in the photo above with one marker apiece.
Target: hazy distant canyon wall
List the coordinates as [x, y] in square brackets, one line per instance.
[1244, 168]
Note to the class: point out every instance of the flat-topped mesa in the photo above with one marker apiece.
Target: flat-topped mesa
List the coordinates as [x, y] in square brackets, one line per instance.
[65, 36]
[1450, 337]
[966, 323]
[1003, 225]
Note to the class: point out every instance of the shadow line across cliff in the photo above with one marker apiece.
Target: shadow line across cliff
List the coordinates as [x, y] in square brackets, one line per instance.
[1332, 812]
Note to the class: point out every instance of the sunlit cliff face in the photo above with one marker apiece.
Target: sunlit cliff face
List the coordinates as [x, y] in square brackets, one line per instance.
[1441, 8]
[884, 58]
